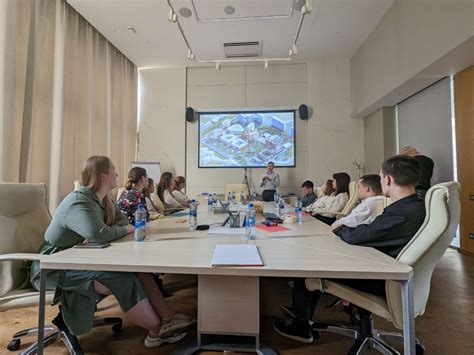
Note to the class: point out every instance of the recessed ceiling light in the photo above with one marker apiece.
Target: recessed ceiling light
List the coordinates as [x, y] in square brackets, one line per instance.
[185, 12]
[229, 10]
[131, 29]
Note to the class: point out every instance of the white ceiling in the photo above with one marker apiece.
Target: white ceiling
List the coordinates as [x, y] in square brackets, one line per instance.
[334, 30]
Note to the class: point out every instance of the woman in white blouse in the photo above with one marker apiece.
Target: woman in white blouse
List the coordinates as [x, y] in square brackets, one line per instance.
[321, 209]
[165, 186]
[178, 187]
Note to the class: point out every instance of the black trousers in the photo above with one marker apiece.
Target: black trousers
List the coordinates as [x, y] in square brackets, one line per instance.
[306, 302]
[327, 220]
[267, 195]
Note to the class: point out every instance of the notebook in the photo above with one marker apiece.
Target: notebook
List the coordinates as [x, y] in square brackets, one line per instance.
[236, 255]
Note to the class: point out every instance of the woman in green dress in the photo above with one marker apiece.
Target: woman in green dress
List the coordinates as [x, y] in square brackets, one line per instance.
[89, 215]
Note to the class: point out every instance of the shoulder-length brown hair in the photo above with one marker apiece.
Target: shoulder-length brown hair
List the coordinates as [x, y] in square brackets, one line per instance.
[134, 175]
[164, 184]
[342, 182]
[328, 188]
[91, 176]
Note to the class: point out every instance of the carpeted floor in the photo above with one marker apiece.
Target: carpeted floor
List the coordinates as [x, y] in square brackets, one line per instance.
[446, 328]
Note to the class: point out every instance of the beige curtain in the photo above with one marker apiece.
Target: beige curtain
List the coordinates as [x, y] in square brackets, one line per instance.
[66, 94]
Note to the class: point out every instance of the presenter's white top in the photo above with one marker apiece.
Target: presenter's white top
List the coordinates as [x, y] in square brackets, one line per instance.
[180, 196]
[271, 184]
[169, 200]
[364, 213]
[327, 204]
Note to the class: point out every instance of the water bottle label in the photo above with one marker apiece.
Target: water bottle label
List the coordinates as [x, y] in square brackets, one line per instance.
[298, 209]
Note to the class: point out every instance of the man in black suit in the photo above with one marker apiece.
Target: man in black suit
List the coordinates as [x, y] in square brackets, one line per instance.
[389, 233]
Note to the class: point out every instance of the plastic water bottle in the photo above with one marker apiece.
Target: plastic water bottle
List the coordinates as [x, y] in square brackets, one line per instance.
[192, 215]
[209, 203]
[250, 229]
[254, 196]
[140, 223]
[214, 200]
[229, 197]
[242, 197]
[298, 210]
[276, 199]
[233, 197]
[281, 207]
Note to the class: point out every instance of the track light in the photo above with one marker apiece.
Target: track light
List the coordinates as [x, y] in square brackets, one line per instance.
[218, 65]
[172, 17]
[266, 64]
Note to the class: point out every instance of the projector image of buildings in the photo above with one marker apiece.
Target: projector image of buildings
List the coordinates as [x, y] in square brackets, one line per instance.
[247, 139]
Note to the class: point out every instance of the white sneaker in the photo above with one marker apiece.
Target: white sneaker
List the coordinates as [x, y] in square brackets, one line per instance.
[176, 325]
[154, 342]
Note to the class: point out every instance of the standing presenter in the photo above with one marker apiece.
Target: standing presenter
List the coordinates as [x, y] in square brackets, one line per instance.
[270, 182]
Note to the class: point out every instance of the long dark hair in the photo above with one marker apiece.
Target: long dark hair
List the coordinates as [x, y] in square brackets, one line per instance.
[164, 184]
[328, 188]
[342, 182]
[134, 175]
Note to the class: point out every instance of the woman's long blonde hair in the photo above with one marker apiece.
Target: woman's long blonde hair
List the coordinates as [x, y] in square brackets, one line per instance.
[91, 175]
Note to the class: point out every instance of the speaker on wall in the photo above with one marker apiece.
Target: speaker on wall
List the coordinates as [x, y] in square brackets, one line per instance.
[303, 111]
[190, 117]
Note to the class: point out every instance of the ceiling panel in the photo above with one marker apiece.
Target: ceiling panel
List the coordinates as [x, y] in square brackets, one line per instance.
[334, 30]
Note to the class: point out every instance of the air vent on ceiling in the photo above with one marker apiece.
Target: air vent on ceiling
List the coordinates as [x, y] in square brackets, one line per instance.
[243, 49]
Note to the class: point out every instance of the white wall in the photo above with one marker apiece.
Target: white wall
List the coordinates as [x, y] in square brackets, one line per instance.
[162, 102]
[379, 138]
[326, 143]
[411, 36]
[245, 87]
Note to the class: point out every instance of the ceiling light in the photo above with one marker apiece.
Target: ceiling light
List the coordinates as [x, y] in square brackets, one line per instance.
[132, 29]
[185, 12]
[218, 65]
[229, 10]
[172, 17]
[294, 49]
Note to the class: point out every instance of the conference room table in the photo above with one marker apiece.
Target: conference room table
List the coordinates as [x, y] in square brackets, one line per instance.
[228, 297]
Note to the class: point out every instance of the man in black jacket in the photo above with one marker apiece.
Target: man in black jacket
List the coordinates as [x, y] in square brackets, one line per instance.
[389, 233]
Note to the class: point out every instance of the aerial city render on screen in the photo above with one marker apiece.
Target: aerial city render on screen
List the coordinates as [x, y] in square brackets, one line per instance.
[246, 139]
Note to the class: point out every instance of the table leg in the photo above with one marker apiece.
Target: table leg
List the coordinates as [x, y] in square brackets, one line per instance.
[42, 305]
[408, 318]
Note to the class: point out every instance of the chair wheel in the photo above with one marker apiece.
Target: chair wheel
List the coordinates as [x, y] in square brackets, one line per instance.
[117, 328]
[419, 349]
[14, 345]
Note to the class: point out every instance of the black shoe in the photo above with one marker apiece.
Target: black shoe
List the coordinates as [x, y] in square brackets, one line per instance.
[287, 311]
[294, 329]
[58, 321]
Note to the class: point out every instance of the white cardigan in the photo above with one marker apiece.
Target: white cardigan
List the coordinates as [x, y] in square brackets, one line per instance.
[327, 204]
[169, 200]
[180, 196]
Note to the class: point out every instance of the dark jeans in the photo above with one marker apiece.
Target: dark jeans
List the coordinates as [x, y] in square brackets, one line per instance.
[327, 220]
[267, 195]
[305, 302]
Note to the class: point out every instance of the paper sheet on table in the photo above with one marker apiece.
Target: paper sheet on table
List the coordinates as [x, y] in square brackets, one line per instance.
[236, 255]
[226, 230]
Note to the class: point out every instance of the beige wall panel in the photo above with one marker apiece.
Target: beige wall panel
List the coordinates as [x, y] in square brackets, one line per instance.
[275, 95]
[335, 140]
[216, 96]
[211, 76]
[161, 126]
[295, 73]
[374, 142]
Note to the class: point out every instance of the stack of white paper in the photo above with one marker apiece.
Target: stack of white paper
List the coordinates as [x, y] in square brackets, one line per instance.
[236, 255]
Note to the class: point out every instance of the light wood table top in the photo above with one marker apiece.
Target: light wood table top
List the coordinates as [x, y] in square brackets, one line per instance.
[309, 249]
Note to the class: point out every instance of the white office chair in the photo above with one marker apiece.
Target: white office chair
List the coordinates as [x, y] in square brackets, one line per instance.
[24, 218]
[422, 253]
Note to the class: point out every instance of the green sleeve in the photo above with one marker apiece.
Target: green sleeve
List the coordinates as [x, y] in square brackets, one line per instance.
[83, 218]
[120, 218]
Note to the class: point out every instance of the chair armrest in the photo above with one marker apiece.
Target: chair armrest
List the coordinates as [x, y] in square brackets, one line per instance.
[21, 256]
